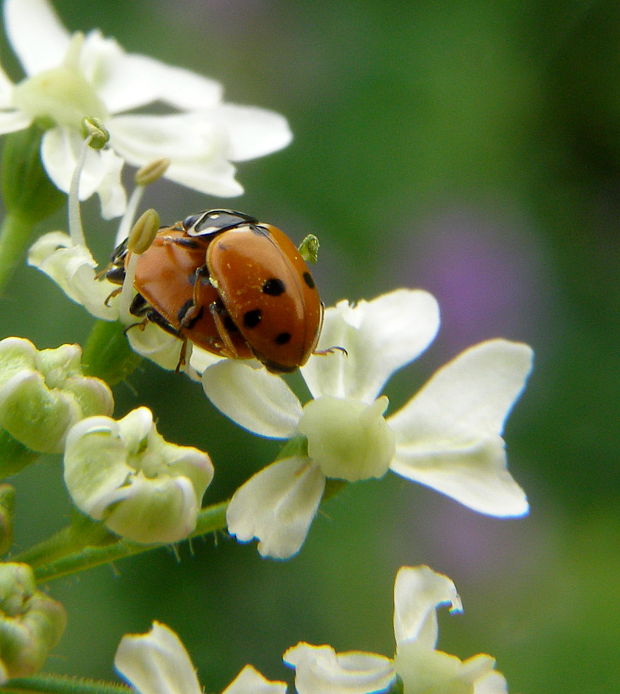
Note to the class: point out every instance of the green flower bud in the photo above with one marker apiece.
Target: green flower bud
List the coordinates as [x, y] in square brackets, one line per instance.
[348, 439]
[31, 623]
[43, 393]
[7, 506]
[126, 475]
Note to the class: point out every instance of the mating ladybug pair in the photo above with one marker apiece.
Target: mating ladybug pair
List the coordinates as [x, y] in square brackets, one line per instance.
[230, 284]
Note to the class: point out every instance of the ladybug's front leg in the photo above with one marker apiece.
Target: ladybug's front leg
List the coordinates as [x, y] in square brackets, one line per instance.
[192, 311]
[224, 325]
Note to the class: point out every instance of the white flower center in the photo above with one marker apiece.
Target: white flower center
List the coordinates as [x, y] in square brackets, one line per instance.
[348, 439]
[61, 94]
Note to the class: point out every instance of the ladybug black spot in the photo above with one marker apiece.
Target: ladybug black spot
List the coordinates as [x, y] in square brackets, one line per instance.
[252, 318]
[308, 280]
[274, 287]
[282, 338]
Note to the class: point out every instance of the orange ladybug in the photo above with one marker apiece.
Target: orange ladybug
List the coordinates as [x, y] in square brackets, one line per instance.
[230, 284]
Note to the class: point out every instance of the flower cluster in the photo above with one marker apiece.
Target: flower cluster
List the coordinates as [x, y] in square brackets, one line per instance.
[447, 436]
[130, 487]
[158, 662]
[72, 77]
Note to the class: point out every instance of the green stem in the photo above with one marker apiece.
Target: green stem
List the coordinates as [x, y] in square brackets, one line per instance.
[210, 519]
[61, 684]
[15, 235]
[107, 354]
[81, 533]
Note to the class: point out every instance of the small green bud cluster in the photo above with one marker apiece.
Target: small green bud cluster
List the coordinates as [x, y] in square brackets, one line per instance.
[31, 623]
[43, 393]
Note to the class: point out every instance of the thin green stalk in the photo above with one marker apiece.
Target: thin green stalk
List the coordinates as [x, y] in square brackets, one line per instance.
[15, 236]
[82, 532]
[61, 684]
[210, 519]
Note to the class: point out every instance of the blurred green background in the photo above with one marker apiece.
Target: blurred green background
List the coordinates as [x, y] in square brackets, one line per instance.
[470, 148]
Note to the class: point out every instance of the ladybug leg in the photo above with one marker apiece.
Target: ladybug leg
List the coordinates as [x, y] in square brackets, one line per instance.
[184, 241]
[192, 309]
[142, 309]
[182, 356]
[330, 350]
[220, 317]
[111, 295]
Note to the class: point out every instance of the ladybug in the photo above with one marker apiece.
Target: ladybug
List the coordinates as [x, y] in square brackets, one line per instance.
[230, 284]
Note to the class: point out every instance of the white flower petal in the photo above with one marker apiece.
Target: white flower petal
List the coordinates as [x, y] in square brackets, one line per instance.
[73, 268]
[38, 38]
[12, 121]
[126, 81]
[319, 669]
[60, 151]
[424, 670]
[476, 476]
[277, 506]
[216, 177]
[110, 188]
[156, 663]
[91, 482]
[200, 360]
[493, 683]
[197, 147]
[250, 681]
[380, 336]
[156, 344]
[254, 398]
[418, 591]
[6, 90]
[252, 132]
[151, 510]
[449, 435]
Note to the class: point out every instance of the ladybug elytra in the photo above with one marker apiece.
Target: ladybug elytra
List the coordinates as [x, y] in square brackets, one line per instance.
[230, 284]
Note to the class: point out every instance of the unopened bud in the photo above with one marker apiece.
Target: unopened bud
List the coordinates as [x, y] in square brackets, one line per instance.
[31, 623]
[126, 475]
[43, 393]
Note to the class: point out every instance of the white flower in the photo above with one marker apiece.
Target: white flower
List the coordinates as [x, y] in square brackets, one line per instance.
[157, 663]
[422, 669]
[126, 475]
[448, 436]
[70, 77]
